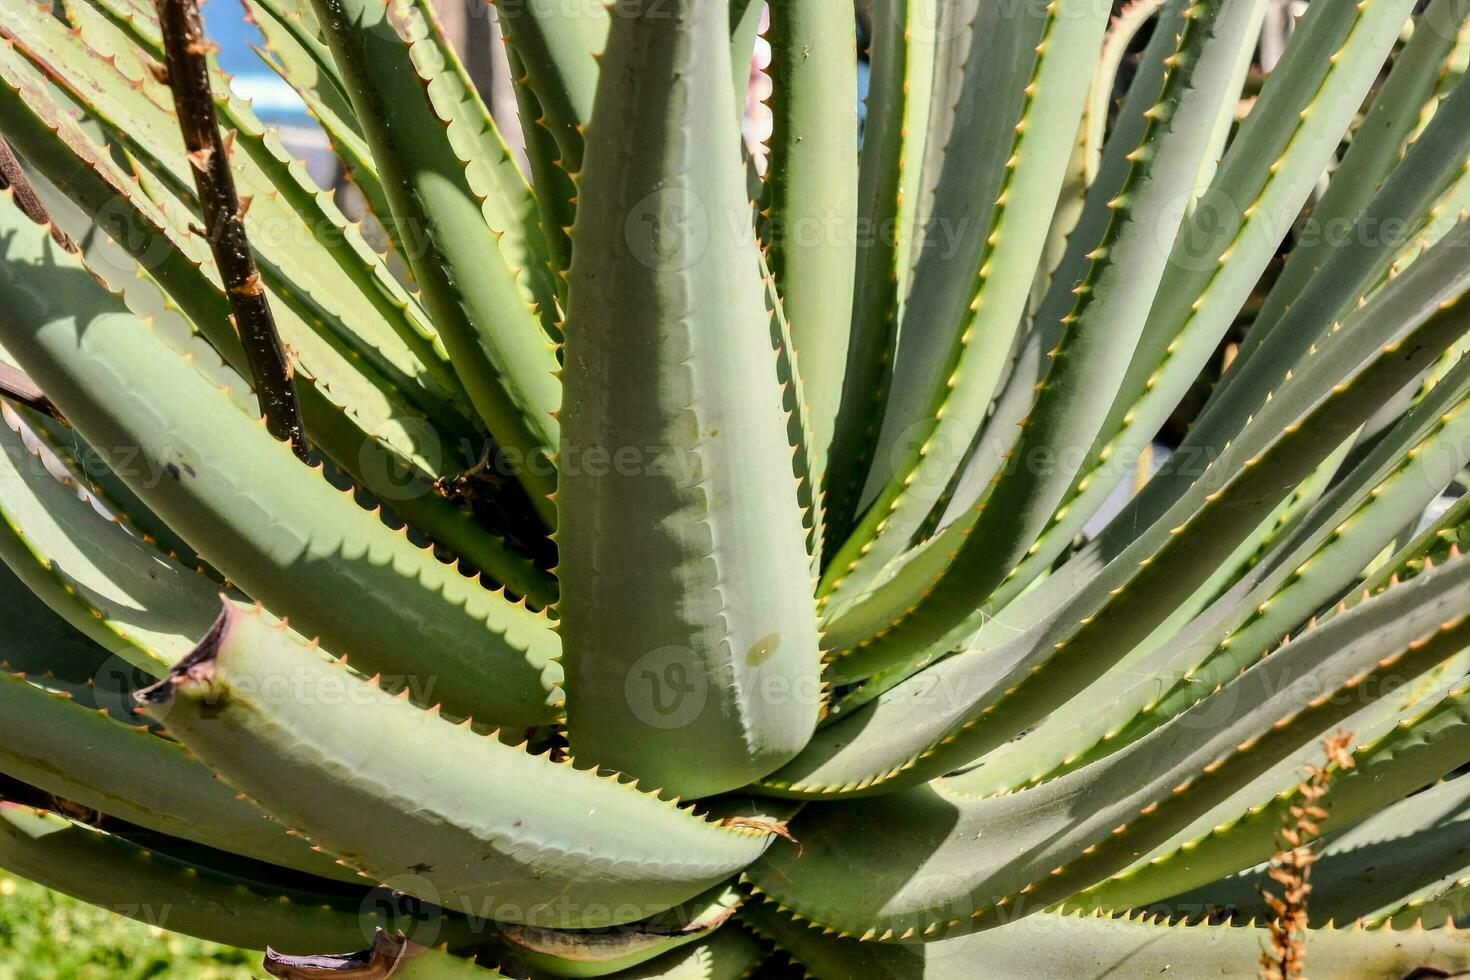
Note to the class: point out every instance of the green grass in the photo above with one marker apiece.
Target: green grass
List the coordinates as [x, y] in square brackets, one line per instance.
[48, 936]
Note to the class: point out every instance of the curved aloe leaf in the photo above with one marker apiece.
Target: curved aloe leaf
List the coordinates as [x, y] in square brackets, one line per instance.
[1125, 27]
[1312, 567]
[901, 56]
[293, 35]
[730, 954]
[499, 350]
[116, 589]
[968, 295]
[1404, 855]
[919, 864]
[558, 43]
[390, 447]
[810, 202]
[1434, 162]
[54, 743]
[168, 892]
[1312, 414]
[568, 953]
[674, 440]
[1088, 364]
[444, 813]
[1093, 947]
[284, 534]
[1231, 235]
[350, 305]
[1377, 148]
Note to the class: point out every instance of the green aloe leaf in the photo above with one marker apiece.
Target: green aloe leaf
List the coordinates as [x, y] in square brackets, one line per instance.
[55, 743]
[969, 293]
[1312, 567]
[443, 812]
[1335, 391]
[730, 954]
[1377, 147]
[1093, 947]
[809, 208]
[918, 863]
[1404, 856]
[390, 448]
[1089, 363]
[1268, 172]
[569, 953]
[276, 528]
[498, 347]
[901, 54]
[168, 892]
[674, 440]
[1419, 747]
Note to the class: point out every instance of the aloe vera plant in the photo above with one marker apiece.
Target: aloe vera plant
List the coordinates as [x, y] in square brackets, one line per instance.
[656, 565]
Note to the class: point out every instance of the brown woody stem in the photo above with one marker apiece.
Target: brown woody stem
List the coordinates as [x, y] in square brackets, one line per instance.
[14, 179]
[185, 49]
[18, 387]
[15, 384]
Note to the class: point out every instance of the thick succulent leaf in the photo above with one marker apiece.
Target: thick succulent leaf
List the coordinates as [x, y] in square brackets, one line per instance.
[1016, 396]
[798, 420]
[1089, 362]
[1448, 532]
[1377, 147]
[967, 298]
[698, 672]
[1312, 567]
[810, 202]
[571, 953]
[1434, 163]
[1125, 27]
[495, 179]
[1231, 235]
[389, 447]
[1417, 746]
[730, 954]
[1404, 855]
[67, 662]
[314, 260]
[118, 590]
[293, 36]
[992, 697]
[273, 526]
[55, 743]
[901, 57]
[931, 862]
[136, 18]
[108, 489]
[1410, 726]
[554, 47]
[1093, 947]
[555, 193]
[313, 296]
[295, 51]
[469, 285]
[436, 809]
[172, 893]
[558, 43]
